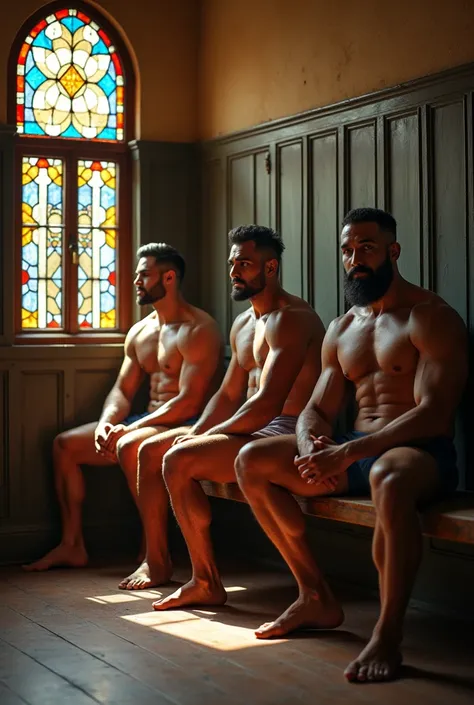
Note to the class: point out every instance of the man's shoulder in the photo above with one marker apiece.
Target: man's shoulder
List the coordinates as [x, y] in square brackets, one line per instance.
[294, 309]
[149, 322]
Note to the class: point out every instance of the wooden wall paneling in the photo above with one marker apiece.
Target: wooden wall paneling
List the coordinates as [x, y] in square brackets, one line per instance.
[4, 442]
[262, 199]
[342, 207]
[214, 249]
[404, 197]
[362, 164]
[450, 223]
[450, 201]
[290, 215]
[324, 222]
[41, 394]
[92, 383]
[240, 209]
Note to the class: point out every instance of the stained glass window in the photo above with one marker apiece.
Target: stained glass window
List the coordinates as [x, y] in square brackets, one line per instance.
[70, 80]
[42, 238]
[97, 230]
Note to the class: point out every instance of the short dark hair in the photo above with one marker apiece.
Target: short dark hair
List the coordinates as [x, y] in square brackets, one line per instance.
[164, 254]
[261, 235]
[384, 220]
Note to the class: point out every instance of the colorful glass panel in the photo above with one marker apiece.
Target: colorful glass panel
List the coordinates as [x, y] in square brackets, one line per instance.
[70, 80]
[97, 236]
[42, 238]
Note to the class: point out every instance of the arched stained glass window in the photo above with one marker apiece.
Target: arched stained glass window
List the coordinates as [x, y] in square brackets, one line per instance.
[72, 84]
[70, 80]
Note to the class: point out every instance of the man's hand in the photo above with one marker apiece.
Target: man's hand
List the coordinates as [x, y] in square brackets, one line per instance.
[100, 437]
[324, 464]
[109, 447]
[182, 439]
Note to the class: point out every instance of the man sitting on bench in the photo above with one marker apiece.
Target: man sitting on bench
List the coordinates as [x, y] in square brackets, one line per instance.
[180, 348]
[276, 345]
[403, 350]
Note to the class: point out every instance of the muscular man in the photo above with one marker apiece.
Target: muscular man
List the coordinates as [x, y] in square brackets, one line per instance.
[275, 362]
[179, 347]
[404, 352]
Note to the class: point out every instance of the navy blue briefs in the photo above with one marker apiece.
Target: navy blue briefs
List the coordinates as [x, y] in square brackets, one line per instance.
[441, 448]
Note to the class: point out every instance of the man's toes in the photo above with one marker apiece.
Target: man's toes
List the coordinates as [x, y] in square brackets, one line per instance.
[352, 671]
[124, 584]
[362, 673]
[371, 671]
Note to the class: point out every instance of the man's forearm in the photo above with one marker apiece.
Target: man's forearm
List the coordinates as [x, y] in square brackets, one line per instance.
[174, 412]
[310, 423]
[116, 408]
[417, 424]
[219, 408]
[250, 417]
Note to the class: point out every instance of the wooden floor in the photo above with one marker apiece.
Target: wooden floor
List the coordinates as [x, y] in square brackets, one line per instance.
[72, 637]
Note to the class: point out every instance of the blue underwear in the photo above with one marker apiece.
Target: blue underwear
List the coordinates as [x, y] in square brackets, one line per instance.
[441, 448]
[136, 417]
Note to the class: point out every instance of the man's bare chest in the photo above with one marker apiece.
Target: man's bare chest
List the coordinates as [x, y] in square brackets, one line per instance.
[158, 351]
[365, 349]
[252, 347]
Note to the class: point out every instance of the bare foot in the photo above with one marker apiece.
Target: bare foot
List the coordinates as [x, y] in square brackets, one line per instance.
[193, 593]
[379, 661]
[147, 576]
[310, 611]
[62, 555]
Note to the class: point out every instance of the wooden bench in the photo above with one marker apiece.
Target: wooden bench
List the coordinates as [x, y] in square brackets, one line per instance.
[451, 520]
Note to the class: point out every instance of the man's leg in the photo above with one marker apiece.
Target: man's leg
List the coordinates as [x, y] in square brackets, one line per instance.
[127, 453]
[152, 502]
[205, 458]
[266, 475]
[71, 449]
[400, 479]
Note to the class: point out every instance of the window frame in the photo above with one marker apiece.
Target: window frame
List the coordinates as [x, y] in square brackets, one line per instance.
[70, 150]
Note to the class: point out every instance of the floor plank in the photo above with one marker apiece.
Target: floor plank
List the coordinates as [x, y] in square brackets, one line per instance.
[82, 638]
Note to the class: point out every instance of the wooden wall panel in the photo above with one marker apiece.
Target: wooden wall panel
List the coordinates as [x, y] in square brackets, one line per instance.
[241, 211]
[403, 187]
[4, 432]
[325, 225]
[290, 215]
[91, 387]
[214, 252]
[263, 214]
[41, 393]
[361, 166]
[450, 245]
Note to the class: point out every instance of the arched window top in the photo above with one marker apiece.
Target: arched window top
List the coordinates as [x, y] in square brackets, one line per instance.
[70, 80]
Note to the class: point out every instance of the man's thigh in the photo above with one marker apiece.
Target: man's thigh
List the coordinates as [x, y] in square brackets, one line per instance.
[210, 457]
[276, 459]
[79, 443]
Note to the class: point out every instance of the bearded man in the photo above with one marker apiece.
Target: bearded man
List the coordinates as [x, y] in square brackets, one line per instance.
[403, 351]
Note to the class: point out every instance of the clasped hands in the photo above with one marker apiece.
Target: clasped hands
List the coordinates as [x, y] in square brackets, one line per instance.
[106, 437]
[324, 464]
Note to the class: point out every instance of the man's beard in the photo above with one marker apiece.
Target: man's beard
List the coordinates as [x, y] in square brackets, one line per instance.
[254, 287]
[156, 293]
[362, 291]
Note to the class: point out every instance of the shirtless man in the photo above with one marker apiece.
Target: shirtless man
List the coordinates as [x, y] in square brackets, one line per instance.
[275, 362]
[404, 352]
[179, 347]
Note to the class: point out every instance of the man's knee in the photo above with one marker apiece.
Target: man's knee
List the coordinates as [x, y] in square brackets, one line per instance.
[66, 442]
[390, 489]
[125, 448]
[252, 465]
[150, 457]
[176, 461]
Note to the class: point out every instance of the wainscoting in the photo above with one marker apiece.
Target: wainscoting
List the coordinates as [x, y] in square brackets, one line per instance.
[408, 150]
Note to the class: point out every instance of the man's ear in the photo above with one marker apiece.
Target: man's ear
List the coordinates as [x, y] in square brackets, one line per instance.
[169, 277]
[395, 250]
[272, 267]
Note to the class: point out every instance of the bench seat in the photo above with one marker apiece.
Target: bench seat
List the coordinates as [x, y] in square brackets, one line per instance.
[451, 520]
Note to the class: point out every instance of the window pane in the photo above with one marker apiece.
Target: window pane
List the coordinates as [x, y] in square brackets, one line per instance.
[70, 80]
[42, 242]
[97, 233]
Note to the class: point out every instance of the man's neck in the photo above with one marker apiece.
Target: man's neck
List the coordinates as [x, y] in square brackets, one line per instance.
[391, 300]
[267, 300]
[169, 309]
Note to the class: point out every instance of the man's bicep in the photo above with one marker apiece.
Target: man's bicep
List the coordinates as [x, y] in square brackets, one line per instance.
[129, 377]
[329, 393]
